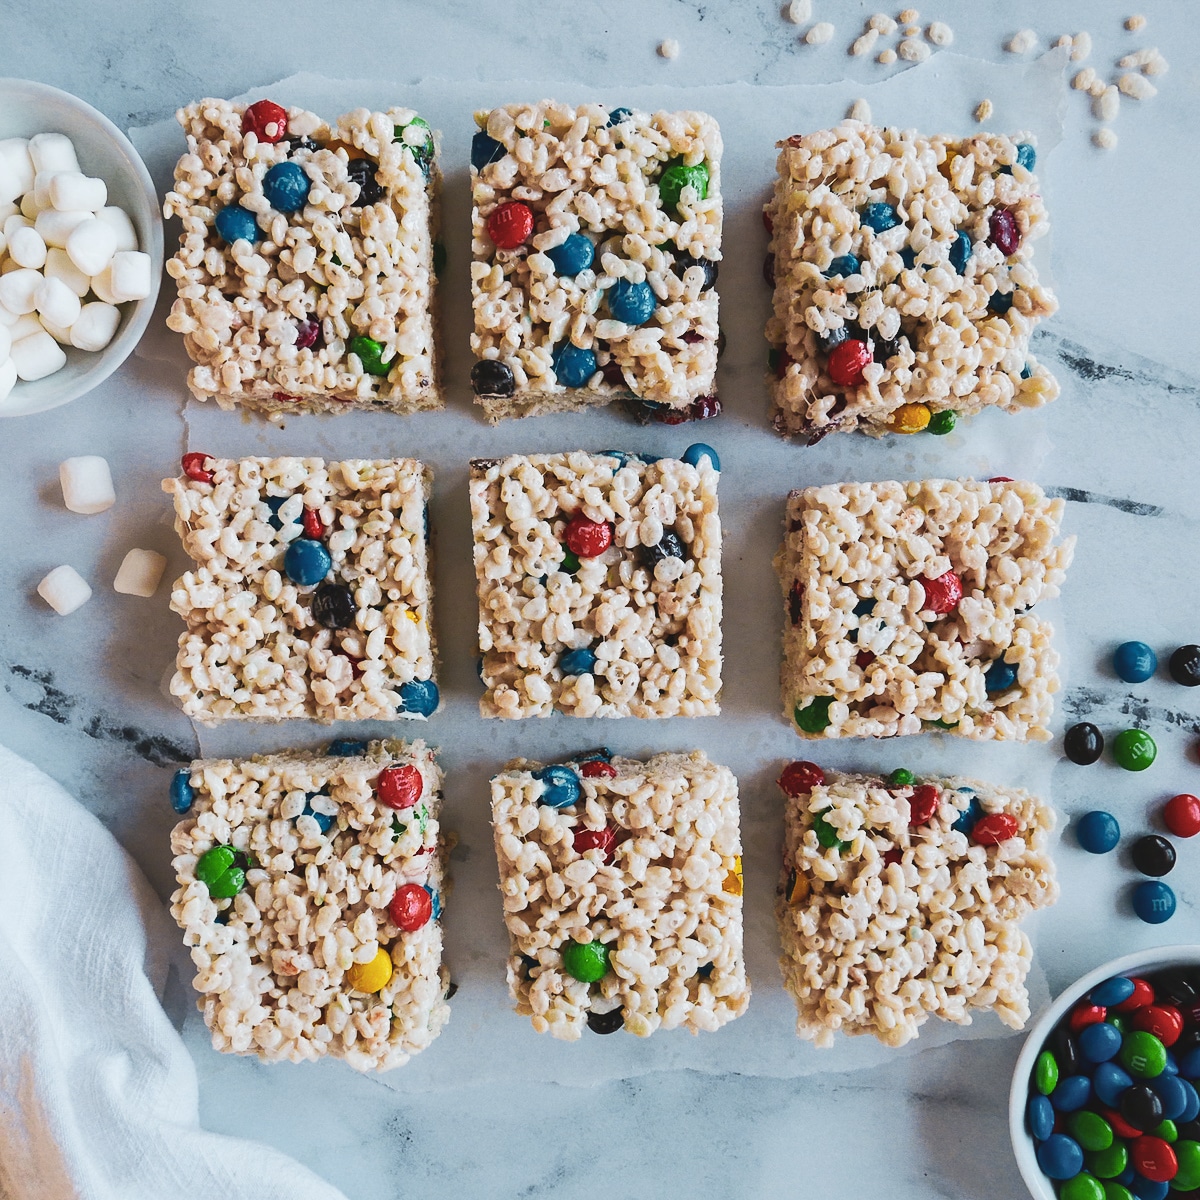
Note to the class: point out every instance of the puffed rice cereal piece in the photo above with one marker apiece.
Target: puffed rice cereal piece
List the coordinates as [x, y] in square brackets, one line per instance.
[636, 866]
[886, 918]
[264, 640]
[599, 583]
[332, 306]
[918, 252]
[908, 608]
[300, 952]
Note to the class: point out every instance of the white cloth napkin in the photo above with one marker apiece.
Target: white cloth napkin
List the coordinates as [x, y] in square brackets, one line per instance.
[98, 1097]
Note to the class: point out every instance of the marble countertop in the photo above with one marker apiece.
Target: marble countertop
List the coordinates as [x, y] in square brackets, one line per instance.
[740, 1114]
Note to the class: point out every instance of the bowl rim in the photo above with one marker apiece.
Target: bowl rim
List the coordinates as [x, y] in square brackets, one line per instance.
[122, 346]
[1157, 957]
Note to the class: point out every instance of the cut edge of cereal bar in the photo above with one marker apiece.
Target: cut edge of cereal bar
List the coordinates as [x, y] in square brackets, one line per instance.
[663, 833]
[240, 503]
[864, 278]
[537, 297]
[858, 851]
[264, 973]
[252, 354]
[655, 657]
[982, 668]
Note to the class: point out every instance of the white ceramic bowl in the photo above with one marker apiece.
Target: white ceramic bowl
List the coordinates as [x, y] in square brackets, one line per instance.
[1144, 962]
[104, 151]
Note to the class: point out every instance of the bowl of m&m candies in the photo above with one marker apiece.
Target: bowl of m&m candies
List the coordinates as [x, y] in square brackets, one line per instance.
[1104, 1102]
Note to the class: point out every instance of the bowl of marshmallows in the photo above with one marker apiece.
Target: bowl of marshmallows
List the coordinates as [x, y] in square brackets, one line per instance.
[81, 247]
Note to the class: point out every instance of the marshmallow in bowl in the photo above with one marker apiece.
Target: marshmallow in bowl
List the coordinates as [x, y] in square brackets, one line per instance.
[68, 259]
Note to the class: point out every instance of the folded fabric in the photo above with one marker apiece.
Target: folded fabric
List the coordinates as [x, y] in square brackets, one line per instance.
[98, 1096]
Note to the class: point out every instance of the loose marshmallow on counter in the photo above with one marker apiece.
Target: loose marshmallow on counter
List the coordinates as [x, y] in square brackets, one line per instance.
[55, 227]
[72, 190]
[18, 290]
[8, 377]
[122, 226]
[95, 326]
[53, 152]
[27, 249]
[37, 356]
[57, 304]
[65, 590]
[87, 485]
[140, 573]
[16, 169]
[91, 245]
[60, 266]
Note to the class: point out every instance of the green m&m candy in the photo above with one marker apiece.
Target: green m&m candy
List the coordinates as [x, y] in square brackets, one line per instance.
[941, 422]
[1187, 1178]
[676, 177]
[1108, 1164]
[1082, 1187]
[1134, 749]
[826, 834]
[902, 777]
[1090, 1130]
[1045, 1073]
[216, 869]
[586, 961]
[370, 354]
[814, 716]
[1143, 1055]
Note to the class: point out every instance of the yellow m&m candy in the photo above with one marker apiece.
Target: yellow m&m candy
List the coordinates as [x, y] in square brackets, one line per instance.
[910, 418]
[371, 976]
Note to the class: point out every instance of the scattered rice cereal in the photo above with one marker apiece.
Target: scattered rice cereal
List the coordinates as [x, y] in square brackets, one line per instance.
[860, 110]
[285, 939]
[819, 34]
[871, 227]
[332, 306]
[886, 918]
[267, 640]
[907, 609]
[1084, 79]
[799, 11]
[887, 57]
[1136, 87]
[1107, 104]
[908, 16]
[599, 582]
[668, 48]
[984, 110]
[864, 43]
[638, 199]
[1105, 139]
[1136, 23]
[912, 50]
[1021, 42]
[640, 862]
[882, 24]
[940, 34]
[1081, 46]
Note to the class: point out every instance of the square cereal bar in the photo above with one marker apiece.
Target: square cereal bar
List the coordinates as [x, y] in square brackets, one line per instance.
[908, 608]
[306, 268]
[902, 898]
[309, 893]
[596, 236]
[311, 595]
[599, 581]
[905, 290]
[622, 886]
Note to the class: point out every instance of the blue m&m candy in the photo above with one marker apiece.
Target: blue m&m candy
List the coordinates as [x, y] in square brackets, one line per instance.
[1060, 1157]
[346, 748]
[1040, 1115]
[1000, 676]
[183, 795]
[574, 365]
[632, 303]
[879, 217]
[1098, 832]
[960, 252]
[573, 255]
[560, 786]
[696, 453]
[1109, 1081]
[1154, 902]
[1112, 991]
[577, 662]
[286, 187]
[419, 697]
[307, 561]
[236, 224]
[1134, 662]
[484, 150]
[1099, 1042]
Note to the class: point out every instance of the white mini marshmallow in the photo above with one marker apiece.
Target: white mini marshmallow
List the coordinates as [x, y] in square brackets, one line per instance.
[16, 169]
[101, 285]
[129, 276]
[61, 334]
[95, 326]
[57, 304]
[74, 190]
[140, 573]
[87, 485]
[65, 590]
[41, 188]
[16, 221]
[8, 377]
[8, 319]
[122, 226]
[18, 290]
[29, 205]
[53, 152]
[27, 249]
[92, 245]
[6, 211]
[60, 266]
[5, 342]
[37, 356]
[55, 227]
[25, 325]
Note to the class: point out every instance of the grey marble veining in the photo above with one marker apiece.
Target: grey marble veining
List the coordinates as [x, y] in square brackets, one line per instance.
[83, 699]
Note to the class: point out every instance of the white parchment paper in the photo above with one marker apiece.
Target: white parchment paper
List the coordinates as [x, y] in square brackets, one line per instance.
[485, 1040]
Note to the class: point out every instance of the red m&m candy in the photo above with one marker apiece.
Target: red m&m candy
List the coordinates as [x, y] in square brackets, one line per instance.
[598, 769]
[993, 829]
[943, 593]
[313, 528]
[1182, 815]
[799, 778]
[399, 787]
[1142, 995]
[847, 361]
[1086, 1014]
[922, 804]
[195, 466]
[596, 839]
[510, 225]
[587, 539]
[1164, 1022]
[266, 120]
[1154, 1159]
[411, 907]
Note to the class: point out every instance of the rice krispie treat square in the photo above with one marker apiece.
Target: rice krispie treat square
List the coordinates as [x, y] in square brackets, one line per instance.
[622, 886]
[309, 892]
[599, 581]
[908, 607]
[596, 237]
[905, 289]
[311, 594]
[306, 269]
[902, 898]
